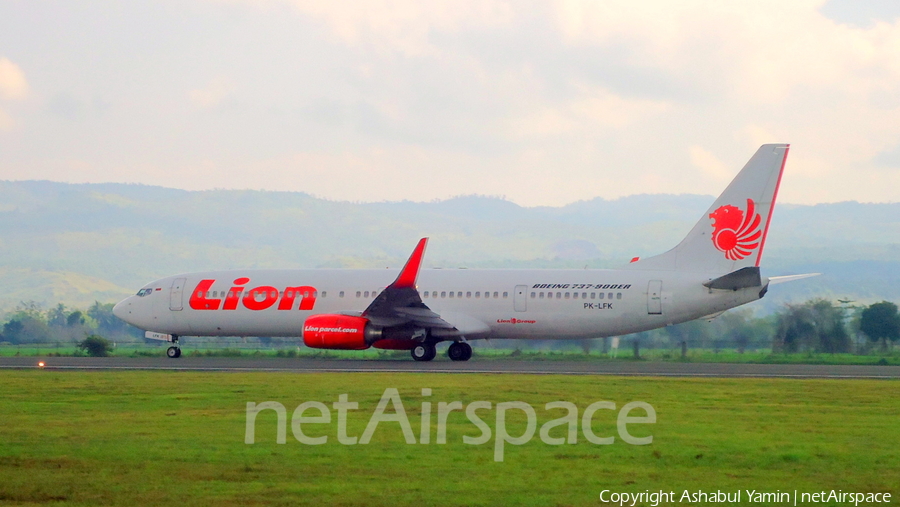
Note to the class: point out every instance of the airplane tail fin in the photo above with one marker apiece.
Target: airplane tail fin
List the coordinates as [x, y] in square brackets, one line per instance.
[732, 233]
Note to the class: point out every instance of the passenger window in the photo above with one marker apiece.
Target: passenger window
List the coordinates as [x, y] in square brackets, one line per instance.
[358, 293]
[574, 295]
[316, 293]
[323, 293]
[619, 295]
[559, 295]
[602, 295]
[477, 295]
[366, 294]
[495, 295]
[541, 296]
[533, 295]
[451, 294]
[593, 295]
[443, 294]
[341, 294]
[505, 295]
[584, 295]
[567, 295]
[426, 294]
[468, 294]
[610, 295]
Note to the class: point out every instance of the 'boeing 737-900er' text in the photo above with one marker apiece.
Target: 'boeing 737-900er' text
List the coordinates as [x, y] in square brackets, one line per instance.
[715, 268]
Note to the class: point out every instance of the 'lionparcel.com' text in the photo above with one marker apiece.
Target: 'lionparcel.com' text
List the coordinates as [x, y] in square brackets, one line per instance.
[473, 411]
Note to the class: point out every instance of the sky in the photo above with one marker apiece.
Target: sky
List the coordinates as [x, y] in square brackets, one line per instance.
[540, 102]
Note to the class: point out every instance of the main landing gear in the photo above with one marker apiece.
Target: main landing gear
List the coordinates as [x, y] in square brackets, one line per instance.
[174, 351]
[459, 351]
[423, 352]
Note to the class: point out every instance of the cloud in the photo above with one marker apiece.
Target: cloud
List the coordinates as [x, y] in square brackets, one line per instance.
[402, 25]
[212, 94]
[13, 85]
[546, 102]
[710, 164]
[6, 121]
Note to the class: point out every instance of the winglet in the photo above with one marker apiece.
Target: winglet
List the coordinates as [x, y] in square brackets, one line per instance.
[407, 277]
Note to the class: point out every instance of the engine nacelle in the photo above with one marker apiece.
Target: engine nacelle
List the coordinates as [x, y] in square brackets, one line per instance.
[344, 332]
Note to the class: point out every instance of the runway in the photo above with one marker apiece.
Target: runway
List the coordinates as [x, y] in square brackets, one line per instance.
[484, 366]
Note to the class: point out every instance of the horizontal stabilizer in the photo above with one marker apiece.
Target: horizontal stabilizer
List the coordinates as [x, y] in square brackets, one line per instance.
[790, 278]
[740, 279]
[711, 316]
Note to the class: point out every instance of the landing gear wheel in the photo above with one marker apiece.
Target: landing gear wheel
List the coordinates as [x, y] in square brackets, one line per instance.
[173, 352]
[423, 352]
[459, 351]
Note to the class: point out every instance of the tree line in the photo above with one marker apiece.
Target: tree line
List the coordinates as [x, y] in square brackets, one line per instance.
[31, 323]
[815, 326]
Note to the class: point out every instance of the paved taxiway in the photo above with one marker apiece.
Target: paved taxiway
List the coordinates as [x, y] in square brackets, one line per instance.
[496, 366]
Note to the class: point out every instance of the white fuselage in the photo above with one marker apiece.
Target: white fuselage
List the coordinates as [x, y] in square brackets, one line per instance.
[345, 310]
[530, 304]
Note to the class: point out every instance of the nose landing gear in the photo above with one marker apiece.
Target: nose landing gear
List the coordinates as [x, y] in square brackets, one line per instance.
[174, 351]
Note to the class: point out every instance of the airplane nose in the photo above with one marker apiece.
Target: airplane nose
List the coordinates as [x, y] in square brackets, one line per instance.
[122, 309]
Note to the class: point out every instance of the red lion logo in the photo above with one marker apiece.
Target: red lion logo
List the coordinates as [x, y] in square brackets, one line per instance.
[735, 233]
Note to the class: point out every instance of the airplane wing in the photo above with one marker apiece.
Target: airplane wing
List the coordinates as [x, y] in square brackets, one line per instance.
[400, 304]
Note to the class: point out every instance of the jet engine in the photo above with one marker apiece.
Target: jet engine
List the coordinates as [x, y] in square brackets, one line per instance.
[344, 332]
[348, 332]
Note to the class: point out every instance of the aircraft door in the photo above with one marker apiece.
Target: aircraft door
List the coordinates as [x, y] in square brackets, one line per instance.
[654, 297]
[176, 300]
[520, 298]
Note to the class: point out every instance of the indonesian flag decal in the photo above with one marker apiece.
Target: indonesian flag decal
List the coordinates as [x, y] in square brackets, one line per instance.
[735, 231]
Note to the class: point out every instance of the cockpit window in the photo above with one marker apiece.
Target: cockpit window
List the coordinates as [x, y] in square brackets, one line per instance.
[144, 292]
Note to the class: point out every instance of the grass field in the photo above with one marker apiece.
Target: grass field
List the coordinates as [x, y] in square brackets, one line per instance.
[177, 438]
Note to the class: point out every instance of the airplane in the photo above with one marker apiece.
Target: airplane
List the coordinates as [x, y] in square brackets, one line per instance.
[715, 268]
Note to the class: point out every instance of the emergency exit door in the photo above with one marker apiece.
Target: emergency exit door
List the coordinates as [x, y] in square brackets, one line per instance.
[520, 298]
